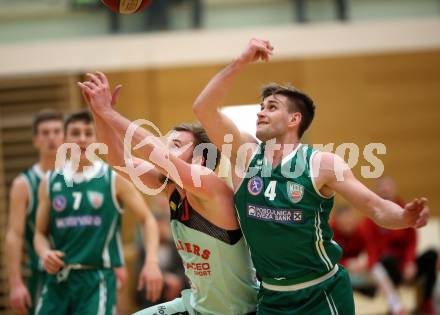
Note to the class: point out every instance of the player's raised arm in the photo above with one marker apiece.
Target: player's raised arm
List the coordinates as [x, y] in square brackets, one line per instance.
[206, 106]
[336, 176]
[52, 259]
[193, 178]
[151, 276]
[19, 297]
[114, 141]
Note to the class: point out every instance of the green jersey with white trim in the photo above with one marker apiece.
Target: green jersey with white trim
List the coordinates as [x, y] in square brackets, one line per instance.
[33, 177]
[284, 219]
[216, 261]
[85, 217]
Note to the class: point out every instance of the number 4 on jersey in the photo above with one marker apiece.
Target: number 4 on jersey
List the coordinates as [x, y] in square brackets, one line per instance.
[270, 191]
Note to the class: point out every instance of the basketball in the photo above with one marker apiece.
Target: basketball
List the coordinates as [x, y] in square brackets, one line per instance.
[126, 6]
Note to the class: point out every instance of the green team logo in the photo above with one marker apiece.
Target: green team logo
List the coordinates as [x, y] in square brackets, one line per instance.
[295, 192]
[96, 199]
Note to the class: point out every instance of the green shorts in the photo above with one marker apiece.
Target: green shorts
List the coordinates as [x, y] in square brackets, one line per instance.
[35, 284]
[333, 296]
[83, 292]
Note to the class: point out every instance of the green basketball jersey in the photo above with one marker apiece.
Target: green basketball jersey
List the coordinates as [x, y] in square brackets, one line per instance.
[33, 178]
[216, 261]
[85, 217]
[284, 219]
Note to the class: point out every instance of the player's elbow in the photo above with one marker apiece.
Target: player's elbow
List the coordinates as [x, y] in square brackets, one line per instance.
[369, 207]
[11, 239]
[197, 107]
[200, 108]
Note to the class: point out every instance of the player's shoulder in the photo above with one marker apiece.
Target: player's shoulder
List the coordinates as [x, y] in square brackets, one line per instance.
[20, 188]
[248, 138]
[326, 160]
[19, 183]
[253, 152]
[327, 165]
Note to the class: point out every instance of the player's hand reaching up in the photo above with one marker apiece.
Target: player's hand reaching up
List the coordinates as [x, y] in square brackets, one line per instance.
[257, 49]
[416, 213]
[53, 261]
[97, 94]
[151, 278]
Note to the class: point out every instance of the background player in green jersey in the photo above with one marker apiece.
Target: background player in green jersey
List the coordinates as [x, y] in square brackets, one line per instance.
[48, 135]
[203, 222]
[285, 200]
[79, 212]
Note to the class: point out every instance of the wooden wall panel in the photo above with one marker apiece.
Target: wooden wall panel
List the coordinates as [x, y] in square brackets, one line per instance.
[137, 94]
[4, 285]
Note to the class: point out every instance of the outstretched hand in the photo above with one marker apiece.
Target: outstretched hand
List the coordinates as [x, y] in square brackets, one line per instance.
[97, 94]
[53, 261]
[417, 212]
[257, 49]
[151, 278]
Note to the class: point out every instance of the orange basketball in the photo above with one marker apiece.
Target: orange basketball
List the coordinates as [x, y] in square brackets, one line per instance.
[126, 6]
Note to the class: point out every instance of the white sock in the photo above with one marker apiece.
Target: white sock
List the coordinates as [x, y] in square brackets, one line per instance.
[384, 282]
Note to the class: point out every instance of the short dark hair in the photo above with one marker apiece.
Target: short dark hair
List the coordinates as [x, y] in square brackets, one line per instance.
[43, 116]
[200, 136]
[83, 116]
[299, 102]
